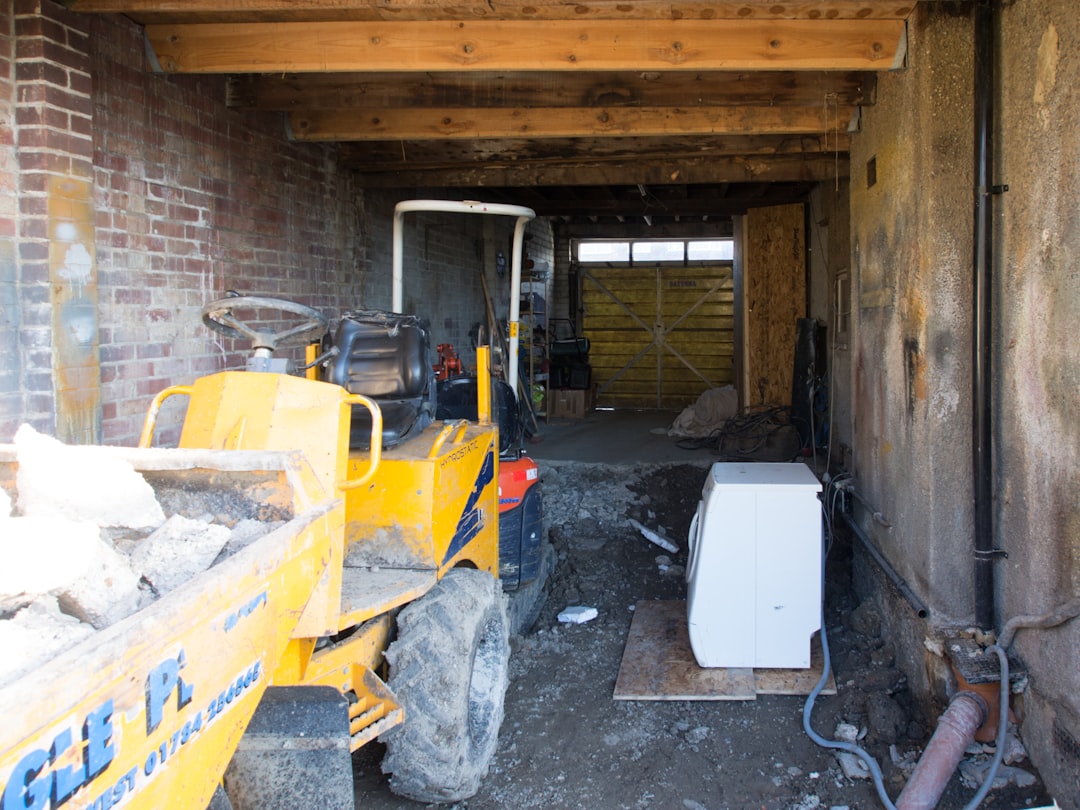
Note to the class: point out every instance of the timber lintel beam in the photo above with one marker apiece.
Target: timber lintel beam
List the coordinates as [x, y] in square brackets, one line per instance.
[555, 45]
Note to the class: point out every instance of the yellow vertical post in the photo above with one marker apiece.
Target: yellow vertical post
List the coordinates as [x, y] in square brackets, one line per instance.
[311, 351]
[483, 385]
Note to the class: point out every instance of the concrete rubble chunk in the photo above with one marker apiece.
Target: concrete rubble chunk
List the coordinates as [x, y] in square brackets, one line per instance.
[40, 554]
[577, 614]
[852, 766]
[866, 619]
[83, 483]
[177, 551]
[106, 593]
[244, 533]
[35, 634]
[974, 772]
[885, 717]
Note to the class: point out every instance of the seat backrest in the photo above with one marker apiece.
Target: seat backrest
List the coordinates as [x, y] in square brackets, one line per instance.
[385, 356]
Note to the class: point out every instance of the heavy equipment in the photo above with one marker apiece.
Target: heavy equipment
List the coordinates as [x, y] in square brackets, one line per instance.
[374, 612]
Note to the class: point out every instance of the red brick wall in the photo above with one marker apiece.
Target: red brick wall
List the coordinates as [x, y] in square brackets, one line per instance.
[11, 401]
[185, 199]
[194, 199]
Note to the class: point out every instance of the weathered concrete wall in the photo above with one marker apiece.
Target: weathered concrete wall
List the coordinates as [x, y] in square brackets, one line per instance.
[1037, 368]
[830, 240]
[911, 383]
[911, 254]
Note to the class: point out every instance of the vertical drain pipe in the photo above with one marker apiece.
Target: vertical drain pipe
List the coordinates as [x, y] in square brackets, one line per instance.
[982, 461]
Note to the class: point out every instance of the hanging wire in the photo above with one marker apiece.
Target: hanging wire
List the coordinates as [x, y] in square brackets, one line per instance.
[831, 108]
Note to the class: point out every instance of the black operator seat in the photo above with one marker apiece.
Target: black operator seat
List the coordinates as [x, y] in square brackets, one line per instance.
[385, 357]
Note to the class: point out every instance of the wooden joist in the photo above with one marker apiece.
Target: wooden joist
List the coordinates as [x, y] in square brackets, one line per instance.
[582, 172]
[507, 152]
[528, 89]
[555, 46]
[563, 122]
[164, 11]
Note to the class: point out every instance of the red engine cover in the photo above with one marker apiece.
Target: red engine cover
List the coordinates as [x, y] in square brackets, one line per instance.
[515, 478]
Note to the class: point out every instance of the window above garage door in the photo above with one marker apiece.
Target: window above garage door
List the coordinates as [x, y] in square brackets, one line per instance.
[632, 252]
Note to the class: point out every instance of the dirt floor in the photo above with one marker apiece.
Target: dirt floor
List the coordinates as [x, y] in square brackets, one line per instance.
[565, 743]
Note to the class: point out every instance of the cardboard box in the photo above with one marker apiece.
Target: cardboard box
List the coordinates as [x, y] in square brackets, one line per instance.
[567, 403]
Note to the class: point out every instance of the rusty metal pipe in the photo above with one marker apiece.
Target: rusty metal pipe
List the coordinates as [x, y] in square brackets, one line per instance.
[955, 731]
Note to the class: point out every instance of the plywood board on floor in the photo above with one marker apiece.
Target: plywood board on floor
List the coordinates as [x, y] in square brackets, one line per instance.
[658, 664]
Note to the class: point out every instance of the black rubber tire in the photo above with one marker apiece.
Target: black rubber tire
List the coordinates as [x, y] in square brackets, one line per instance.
[449, 670]
[527, 601]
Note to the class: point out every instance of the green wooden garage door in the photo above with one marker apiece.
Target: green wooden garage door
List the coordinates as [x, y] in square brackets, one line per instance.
[660, 335]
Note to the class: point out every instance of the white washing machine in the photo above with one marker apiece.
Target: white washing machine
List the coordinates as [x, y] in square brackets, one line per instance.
[754, 570]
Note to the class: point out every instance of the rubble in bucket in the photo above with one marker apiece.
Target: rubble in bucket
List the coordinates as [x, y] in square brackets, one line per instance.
[84, 543]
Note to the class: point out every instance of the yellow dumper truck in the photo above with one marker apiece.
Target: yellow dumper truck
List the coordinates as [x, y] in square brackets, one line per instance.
[373, 611]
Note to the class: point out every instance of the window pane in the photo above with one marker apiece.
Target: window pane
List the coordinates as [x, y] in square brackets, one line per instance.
[658, 251]
[711, 250]
[603, 251]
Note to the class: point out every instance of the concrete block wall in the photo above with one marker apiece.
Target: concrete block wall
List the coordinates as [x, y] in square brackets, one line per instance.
[140, 198]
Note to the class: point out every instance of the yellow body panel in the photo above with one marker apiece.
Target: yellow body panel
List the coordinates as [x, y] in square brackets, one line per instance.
[149, 711]
[429, 511]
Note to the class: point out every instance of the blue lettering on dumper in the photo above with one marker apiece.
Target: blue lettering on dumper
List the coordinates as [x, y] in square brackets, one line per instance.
[34, 785]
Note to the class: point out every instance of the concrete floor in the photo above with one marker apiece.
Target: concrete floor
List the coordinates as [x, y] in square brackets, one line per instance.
[613, 437]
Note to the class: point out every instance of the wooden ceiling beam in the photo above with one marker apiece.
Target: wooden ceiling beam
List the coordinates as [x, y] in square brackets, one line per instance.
[563, 122]
[557, 45]
[164, 11]
[437, 155]
[711, 206]
[776, 169]
[650, 89]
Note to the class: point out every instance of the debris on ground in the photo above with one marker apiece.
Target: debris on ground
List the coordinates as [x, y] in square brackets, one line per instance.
[577, 614]
[654, 537]
[852, 766]
[905, 763]
[974, 772]
[593, 751]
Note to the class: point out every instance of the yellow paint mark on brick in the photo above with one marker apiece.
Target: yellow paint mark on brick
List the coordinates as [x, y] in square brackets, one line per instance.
[74, 299]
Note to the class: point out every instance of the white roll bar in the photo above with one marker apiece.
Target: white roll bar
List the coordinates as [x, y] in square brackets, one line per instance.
[523, 215]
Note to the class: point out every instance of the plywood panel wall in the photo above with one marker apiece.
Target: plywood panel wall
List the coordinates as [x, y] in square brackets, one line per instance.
[774, 298]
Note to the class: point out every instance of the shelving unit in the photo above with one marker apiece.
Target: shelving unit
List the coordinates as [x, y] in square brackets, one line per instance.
[534, 342]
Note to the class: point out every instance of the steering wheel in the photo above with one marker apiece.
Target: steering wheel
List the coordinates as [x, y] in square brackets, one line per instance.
[219, 316]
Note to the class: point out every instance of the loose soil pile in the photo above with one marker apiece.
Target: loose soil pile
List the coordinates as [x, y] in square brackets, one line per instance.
[565, 743]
